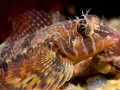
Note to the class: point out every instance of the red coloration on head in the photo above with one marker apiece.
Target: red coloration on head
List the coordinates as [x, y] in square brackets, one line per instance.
[97, 36]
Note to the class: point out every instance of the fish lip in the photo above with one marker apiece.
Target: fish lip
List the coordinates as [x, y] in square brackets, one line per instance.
[115, 36]
[116, 39]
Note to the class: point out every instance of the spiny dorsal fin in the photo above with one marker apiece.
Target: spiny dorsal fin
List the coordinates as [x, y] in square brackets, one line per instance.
[30, 22]
[55, 16]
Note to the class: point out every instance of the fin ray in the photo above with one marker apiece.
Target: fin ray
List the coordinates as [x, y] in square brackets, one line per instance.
[36, 70]
[30, 22]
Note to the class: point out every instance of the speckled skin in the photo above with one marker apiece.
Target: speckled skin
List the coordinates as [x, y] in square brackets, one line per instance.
[41, 52]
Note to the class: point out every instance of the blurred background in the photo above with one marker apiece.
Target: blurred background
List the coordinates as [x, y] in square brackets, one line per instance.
[68, 9]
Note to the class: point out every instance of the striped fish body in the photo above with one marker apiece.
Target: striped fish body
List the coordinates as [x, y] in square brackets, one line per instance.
[41, 52]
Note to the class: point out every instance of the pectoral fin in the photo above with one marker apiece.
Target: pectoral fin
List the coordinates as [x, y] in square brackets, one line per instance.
[39, 71]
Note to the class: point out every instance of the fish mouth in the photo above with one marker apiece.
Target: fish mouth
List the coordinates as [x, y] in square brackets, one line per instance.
[114, 36]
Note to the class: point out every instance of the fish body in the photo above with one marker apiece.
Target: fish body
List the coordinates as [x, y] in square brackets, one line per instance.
[41, 52]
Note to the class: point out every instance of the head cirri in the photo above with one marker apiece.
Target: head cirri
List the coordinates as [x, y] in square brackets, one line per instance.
[85, 38]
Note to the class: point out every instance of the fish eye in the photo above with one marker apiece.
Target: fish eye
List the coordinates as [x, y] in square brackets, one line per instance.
[81, 29]
[84, 28]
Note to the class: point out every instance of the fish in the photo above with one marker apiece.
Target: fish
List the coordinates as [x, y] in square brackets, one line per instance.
[41, 52]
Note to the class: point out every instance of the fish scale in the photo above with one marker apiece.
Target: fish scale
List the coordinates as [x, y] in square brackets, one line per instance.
[41, 52]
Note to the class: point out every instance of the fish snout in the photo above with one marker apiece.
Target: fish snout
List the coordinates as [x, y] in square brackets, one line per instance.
[113, 36]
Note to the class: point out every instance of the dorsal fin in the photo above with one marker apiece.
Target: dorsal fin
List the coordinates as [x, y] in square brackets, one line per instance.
[30, 22]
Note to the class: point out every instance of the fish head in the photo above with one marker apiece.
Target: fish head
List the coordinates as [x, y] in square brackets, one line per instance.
[91, 36]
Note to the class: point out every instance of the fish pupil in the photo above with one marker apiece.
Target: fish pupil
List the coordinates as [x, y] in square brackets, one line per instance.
[82, 28]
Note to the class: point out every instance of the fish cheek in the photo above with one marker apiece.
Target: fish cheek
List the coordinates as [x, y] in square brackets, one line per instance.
[98, 41]
[88, 44]
[78, 46]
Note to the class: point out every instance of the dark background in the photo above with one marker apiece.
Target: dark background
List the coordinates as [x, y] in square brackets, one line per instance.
[68, 8]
